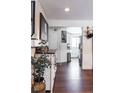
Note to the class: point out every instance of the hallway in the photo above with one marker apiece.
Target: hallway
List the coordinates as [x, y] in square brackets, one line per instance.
[71, 79]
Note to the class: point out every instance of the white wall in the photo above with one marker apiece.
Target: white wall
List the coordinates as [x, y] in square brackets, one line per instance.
[55, 43]
[87, 51]
[38, 10]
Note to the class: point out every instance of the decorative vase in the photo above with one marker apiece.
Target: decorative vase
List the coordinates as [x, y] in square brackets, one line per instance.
[40, 87]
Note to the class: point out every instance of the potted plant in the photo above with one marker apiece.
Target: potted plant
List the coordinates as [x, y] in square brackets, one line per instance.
[39, 64]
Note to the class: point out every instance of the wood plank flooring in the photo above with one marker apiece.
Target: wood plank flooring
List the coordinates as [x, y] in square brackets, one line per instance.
[71, 79]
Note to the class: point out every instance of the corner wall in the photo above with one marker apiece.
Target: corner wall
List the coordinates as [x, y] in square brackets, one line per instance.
[38, 10]
[87, 56]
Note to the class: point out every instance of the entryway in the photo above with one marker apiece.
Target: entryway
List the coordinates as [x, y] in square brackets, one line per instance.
[74, 42]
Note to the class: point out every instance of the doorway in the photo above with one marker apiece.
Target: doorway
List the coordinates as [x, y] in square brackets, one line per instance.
[74, 42]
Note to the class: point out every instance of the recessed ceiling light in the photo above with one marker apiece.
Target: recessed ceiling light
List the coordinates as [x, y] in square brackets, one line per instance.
[67, 9]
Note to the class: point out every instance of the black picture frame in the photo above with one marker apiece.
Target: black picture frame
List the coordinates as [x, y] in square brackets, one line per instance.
[63, 36]
[32, 17]
[43, 28]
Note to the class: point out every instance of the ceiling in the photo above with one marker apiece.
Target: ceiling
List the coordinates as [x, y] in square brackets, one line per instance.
[79, 9]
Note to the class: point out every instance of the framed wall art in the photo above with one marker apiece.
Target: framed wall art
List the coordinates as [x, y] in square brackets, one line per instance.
[43, 28]
[63, 36]
[32, 17]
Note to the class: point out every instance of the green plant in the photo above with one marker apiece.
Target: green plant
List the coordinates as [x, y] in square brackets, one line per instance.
[39, 65]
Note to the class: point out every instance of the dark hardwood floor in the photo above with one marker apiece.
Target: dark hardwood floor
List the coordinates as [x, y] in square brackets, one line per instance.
[71, 79]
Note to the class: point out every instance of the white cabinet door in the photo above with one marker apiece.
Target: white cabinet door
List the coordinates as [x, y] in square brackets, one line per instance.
[47, 78]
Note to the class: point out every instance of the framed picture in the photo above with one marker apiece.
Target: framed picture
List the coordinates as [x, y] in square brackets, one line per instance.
[43, 28]
[63, 36]
[32, 17]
